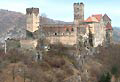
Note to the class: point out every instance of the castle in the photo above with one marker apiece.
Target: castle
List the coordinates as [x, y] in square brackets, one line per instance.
[95, 30]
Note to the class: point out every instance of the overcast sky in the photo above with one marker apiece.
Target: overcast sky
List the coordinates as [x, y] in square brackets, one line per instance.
[63, 9]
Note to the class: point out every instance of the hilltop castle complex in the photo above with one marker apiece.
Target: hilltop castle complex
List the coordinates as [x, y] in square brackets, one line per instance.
[95, 30]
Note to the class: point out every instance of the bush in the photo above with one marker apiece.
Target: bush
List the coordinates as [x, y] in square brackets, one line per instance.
[57, 63]
[60, 76]
[114, 70]
[14, 56]
[45, 66]
[110, 57]
[106, 77]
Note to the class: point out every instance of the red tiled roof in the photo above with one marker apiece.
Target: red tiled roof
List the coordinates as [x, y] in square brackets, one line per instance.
[108, 26]
[91, 19]
[97, 16]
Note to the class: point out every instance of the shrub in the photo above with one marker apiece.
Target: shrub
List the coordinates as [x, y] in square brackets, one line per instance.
[57, 63]
[60, 76]
[45, 66]
[54, 61]
[14, 56]
[114, 70]
[106, 77]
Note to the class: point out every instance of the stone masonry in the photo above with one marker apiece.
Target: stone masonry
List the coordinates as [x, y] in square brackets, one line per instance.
[94, 30]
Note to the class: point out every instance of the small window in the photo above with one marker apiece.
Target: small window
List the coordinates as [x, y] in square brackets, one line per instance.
[77, 9]
[72, 29]
[55, 33]
[67, 30]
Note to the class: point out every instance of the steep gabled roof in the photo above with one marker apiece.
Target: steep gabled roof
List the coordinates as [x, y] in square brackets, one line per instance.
[94, 18]
[106, 17]
[91, 19]
[108, 26]
[97, 16]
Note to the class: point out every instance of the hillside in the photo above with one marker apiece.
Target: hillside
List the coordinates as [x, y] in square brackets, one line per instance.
[116, 34]
[19, 65]
[12, 24]
[56, 66]
[10, 20]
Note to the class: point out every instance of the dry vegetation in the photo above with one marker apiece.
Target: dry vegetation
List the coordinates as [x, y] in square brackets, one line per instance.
[18, 65]
[56, 66]
[109, 57]
[105, 63]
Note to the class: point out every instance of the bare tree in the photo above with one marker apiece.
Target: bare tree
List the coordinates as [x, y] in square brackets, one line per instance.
[24, 72]
[13, 73]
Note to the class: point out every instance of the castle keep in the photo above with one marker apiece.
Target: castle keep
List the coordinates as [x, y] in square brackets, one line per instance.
[95, 30]
[32, 19]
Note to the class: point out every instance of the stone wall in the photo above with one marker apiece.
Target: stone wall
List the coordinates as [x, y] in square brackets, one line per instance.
[28, 44]
[12, 44]
[109, 38]
[99, 34]
[66, 40]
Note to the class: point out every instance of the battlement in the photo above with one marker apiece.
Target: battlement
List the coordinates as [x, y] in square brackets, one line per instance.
[78, 4]
[78, 13]
[32, 10]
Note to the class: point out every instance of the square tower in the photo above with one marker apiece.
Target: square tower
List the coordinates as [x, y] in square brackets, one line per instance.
[79, 23]
[79, 18]
[32, 19]
[78, 13]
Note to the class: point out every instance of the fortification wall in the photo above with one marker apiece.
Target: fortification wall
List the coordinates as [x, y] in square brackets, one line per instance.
[66, 40]
[28, 44]
[12, 44]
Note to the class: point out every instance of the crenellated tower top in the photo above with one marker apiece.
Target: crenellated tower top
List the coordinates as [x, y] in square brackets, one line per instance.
[32, 19]
[78, 12]
[32, 10]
